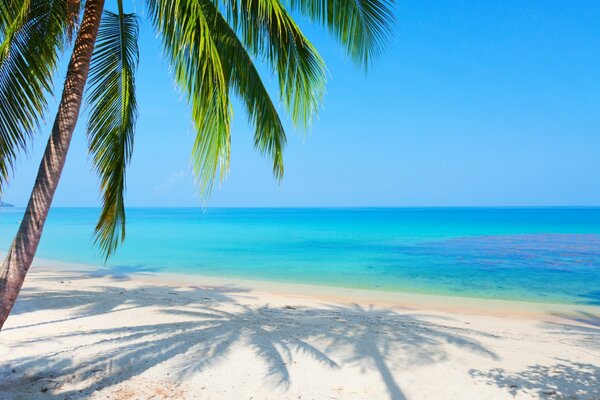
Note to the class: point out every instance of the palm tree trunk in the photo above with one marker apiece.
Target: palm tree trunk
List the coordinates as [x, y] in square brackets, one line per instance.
[21, 253]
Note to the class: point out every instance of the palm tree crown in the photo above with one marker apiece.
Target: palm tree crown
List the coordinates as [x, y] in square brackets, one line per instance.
[212, 47]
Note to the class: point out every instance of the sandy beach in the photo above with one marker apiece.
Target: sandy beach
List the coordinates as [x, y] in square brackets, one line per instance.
[299, 200]
[80, 333]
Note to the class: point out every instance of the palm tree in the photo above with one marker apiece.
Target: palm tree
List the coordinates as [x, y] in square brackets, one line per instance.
[211, 46]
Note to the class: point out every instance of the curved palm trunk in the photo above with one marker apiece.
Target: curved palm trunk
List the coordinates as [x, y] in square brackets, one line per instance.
[23, 248]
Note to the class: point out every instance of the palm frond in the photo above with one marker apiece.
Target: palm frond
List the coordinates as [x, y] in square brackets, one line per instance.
[362, 26]
[13, 15]
[31, 43]
[211, 45]
[198, 70]
[268, 31]
[113, 113]
[244, 80]
[209, 61]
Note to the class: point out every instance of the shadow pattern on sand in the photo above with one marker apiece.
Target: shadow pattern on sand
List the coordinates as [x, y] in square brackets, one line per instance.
[108, 299]
[200, 329]
[564, 380]
[569, 380]
[583, 328]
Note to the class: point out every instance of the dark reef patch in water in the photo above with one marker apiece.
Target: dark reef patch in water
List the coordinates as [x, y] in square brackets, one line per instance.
[553, 252]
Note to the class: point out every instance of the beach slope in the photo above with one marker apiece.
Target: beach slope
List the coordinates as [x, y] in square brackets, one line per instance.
[93, 334]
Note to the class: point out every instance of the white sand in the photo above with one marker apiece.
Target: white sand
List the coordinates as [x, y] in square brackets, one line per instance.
[76, 334]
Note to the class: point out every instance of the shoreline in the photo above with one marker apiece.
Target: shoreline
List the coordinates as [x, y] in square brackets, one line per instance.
[301, 291]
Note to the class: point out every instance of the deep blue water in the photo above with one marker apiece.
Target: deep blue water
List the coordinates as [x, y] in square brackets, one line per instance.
[535, 254]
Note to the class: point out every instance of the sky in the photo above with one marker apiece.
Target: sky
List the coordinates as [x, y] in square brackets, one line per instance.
[473, 103]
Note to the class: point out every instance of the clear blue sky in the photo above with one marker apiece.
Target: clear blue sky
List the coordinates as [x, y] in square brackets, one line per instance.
[473, 103]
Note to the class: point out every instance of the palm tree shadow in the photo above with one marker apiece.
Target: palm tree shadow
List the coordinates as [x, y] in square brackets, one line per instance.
[385, 334]
[191, 346]
[564, 380]
[99, 300]
[124, 272]
[198, 335]
[583, 328]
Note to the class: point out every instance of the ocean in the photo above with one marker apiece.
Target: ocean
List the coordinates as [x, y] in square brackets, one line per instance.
[529, 254]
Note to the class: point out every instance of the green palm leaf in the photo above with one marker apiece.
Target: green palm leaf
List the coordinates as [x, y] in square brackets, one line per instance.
[244, 80]
[198, 70]
[13, 15]
[209, 61]
[362, 26]
[33, 35]
[269, 32]
[112, 119]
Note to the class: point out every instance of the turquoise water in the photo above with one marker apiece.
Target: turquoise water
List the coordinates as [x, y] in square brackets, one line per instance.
[535, 254]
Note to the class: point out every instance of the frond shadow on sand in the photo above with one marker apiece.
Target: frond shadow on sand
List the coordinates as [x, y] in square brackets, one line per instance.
[199, 328]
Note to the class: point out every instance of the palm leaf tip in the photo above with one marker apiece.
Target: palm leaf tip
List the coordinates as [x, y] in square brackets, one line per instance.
[226, 46]
[362, 26]
[189, 44]
[269, 32]
[244, 80]
[113, 113]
